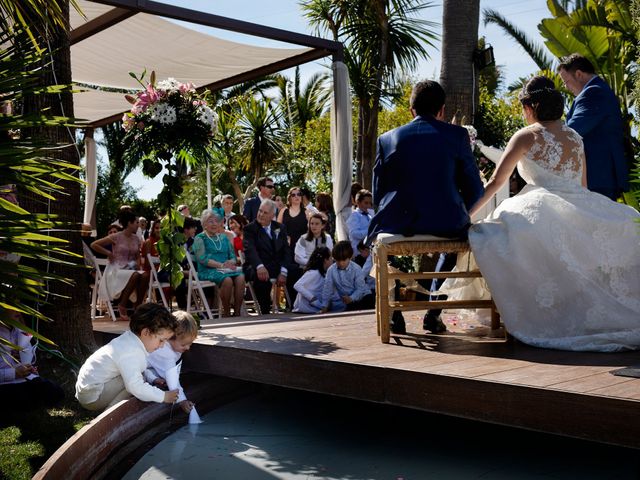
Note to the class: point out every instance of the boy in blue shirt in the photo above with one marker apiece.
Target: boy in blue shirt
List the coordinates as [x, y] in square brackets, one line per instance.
[345, 278]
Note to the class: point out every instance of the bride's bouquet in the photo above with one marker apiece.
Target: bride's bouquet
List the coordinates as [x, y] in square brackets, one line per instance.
[168, 119]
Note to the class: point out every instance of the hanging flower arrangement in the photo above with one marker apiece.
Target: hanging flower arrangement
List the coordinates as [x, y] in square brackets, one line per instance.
[168, 119]
[170, 125]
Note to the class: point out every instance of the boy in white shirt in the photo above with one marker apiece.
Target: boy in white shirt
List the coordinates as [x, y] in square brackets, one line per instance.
[167, 356]
[359, 220]
[114, 372]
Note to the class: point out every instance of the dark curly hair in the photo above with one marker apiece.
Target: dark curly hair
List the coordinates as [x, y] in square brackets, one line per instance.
[542, 96]
[316, 260]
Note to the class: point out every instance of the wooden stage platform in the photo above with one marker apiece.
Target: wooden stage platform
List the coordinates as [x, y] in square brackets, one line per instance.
[489, 380]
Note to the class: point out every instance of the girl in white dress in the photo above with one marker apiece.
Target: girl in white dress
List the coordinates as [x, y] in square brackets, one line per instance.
[310, 285]
[315, 237]
[562, 262]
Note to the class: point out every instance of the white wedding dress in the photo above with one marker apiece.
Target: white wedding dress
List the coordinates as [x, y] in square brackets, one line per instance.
[562, 263]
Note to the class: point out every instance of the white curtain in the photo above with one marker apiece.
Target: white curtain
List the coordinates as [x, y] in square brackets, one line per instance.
[92, 179]
[341, 148]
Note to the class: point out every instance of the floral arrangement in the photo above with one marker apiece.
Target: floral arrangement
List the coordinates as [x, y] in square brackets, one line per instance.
[168, 120]
[170, 125]
[485, 166]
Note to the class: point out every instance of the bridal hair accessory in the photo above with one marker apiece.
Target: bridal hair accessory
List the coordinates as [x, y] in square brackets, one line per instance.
[524, 94]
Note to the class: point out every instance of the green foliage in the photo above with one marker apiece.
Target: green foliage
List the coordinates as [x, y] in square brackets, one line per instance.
[29, 166]
[170, 246]
[400, 112]
[498, 118]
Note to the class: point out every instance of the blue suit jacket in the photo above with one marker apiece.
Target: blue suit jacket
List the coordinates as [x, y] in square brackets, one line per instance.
[425, 179]
[595, 115]
[251, 207]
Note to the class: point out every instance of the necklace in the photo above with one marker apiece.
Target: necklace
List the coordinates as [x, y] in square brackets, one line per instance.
[213, 239]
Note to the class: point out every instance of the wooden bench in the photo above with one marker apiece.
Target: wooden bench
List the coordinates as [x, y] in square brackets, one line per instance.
[389, 244]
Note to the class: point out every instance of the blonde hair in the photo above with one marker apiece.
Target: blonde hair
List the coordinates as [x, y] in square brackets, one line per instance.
[187, 325]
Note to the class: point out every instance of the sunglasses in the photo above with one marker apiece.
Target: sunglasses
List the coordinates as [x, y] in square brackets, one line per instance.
[295, 194]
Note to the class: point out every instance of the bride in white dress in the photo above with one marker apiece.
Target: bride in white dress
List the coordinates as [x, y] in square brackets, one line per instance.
[562, 263]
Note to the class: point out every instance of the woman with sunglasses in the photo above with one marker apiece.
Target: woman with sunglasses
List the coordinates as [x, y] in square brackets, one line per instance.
[294, 217]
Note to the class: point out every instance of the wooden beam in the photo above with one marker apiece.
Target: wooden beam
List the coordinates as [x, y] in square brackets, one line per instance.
[100, 23]
[216, 21]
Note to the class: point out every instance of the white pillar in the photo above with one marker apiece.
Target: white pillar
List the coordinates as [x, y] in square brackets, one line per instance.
[91, 170]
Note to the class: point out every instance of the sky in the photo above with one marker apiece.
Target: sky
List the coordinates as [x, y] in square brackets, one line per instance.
[286, 14]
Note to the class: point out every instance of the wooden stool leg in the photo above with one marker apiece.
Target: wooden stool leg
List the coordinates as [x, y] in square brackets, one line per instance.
[383, 296]
[495, 318]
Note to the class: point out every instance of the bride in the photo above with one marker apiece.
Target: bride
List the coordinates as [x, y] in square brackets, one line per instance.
[562, 263]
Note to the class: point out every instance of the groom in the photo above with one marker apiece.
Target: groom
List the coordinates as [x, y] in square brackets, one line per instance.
[425, 179]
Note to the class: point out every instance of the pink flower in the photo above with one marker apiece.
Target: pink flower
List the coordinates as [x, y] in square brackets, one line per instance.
[140, 125]
[127, 122]
[146, 98]
[186, 87]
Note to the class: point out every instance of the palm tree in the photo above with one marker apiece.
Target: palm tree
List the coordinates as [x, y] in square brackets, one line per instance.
[50, 191]
[302, 104]
[458, 72]
[260, 136]
[383, 39]
[71, 329]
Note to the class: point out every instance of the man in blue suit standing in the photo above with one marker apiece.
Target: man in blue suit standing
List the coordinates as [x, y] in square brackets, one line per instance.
[425, 178]
[595, 115]
[265, 192]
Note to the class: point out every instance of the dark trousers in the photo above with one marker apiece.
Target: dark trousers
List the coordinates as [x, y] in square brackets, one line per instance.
[365, 303]
[30, 394]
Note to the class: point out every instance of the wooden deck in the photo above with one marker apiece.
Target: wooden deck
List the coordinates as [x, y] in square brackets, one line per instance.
[483, 379]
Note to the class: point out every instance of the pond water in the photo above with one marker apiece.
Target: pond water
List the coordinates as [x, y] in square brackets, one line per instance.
[285, 434]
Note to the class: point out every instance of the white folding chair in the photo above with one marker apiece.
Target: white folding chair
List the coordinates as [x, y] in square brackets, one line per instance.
[155, 285]
[196, 299]
[98, 265]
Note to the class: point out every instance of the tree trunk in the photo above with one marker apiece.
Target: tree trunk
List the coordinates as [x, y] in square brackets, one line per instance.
[368, 144]
[458, 74]
[71, 328]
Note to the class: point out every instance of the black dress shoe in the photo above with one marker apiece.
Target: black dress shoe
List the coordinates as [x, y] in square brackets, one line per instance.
[397, 323]
[433, 324]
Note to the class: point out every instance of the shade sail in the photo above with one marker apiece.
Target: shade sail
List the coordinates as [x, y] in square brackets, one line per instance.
[144, 41]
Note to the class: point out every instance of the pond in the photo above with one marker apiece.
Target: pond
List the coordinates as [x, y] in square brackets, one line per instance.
[286, 434]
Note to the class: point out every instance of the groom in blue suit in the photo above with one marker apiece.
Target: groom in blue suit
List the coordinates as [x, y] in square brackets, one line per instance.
[425, 180]
[595, 115]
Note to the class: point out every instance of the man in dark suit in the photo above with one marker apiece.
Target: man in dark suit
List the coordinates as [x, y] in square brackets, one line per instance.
[425, 179]
[266, 189]
[267, 253]
[595, 115]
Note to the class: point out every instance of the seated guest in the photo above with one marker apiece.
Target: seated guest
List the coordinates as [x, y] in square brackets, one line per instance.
[315, 237]
[307, 204]
[324, 204]
[21, 388]
[311, 284]
[123, 278]
[358, 221]
[143, 231]
[345, 279]
[364, 260]
[265, 192]
[217, 262]
[149, 245]
[425, 179]
[236, 225]
[267, 254]
[114, 372]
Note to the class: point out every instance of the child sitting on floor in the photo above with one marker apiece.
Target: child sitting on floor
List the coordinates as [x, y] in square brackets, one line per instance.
[114, 372]
[167, 356]
[345, 278]
[310, 285]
